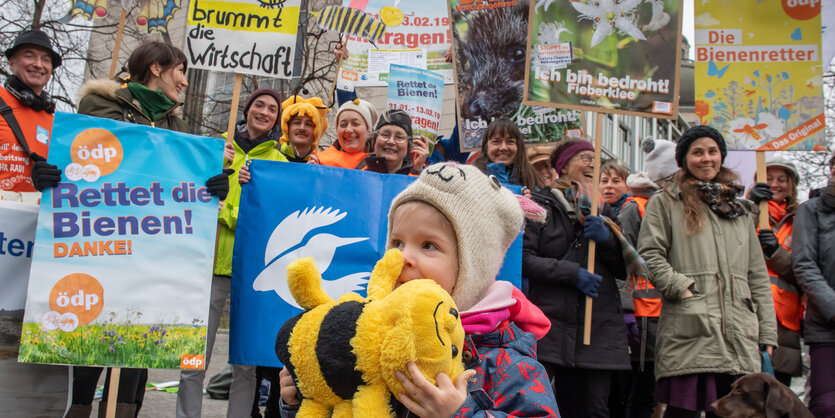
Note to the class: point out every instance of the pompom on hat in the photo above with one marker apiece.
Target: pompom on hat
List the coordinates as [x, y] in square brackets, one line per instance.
[695, 133]
[659, 158]
[485, 216]
[299, 106]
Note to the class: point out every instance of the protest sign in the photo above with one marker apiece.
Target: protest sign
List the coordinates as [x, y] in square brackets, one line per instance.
[17, 236]
[758, 73]
[490, 55]
[421, 94]
[613, 57]
[122, 263]
[343, 228]
[417, 34]
[245, 37]
[38, 390]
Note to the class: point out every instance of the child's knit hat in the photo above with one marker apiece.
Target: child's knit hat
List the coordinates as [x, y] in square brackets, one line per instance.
[486, 218]
[299, 106]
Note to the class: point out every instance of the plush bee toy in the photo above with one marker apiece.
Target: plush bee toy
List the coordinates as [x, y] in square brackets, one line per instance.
[343, 354]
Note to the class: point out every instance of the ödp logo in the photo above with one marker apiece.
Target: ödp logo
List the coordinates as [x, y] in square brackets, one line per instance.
[95, 152]
[801, 9]
[191, 361]
[78, 298]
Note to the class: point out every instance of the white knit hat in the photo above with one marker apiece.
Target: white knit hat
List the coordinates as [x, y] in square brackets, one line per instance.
[785, 164]
[640, 181]
[659, 158]
[364, 108]
[486, 218]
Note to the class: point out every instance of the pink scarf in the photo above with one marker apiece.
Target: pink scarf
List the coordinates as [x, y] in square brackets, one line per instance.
[502, 302]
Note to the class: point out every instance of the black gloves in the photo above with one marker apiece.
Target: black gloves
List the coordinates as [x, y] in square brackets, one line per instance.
[44, 174]
[760, 192]
[768, 241]
[219, 185]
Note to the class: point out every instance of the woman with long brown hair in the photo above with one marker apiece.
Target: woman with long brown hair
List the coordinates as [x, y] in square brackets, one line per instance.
[503, 155]
[699, 242]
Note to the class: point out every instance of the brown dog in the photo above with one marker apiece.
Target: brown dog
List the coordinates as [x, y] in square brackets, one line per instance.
[760, 395]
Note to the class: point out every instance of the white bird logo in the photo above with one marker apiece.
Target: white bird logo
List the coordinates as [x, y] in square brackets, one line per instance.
[288, 235]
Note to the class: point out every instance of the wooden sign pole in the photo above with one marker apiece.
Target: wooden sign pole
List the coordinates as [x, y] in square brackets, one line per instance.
[762, 178]
[233, 111]
[115, 60]
[595, 199]
[113, 392]
[338, 68]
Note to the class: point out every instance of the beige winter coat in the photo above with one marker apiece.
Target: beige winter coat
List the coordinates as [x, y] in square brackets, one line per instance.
[731, 312]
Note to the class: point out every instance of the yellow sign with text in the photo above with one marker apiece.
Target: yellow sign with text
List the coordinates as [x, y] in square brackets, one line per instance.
[758, 73]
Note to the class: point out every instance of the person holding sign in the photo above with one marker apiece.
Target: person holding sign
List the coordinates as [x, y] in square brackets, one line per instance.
[256, 136]
[395, 152]
[781, 194]
[699, 242]
[552, 256]
[503, 155]
[25, 130]
[354, 120]
[148, 97]
[303, 123]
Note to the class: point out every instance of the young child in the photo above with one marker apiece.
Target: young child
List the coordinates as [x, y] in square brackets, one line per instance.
[454, 225]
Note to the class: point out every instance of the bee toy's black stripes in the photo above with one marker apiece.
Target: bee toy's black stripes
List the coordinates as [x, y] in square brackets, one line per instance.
[336, 358]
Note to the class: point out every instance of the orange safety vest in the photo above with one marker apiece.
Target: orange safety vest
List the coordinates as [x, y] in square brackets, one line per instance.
[335, 158]
[15, 165]
[640, 201]
[786, 295]
[646, 297]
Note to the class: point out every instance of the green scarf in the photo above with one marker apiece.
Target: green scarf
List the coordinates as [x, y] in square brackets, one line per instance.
[154, 103]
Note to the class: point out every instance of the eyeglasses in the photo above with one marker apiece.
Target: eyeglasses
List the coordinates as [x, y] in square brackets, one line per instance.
[400, 139]
[588, 159]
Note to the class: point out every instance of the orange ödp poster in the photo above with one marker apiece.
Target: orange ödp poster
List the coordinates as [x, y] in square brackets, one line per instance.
[758, 73]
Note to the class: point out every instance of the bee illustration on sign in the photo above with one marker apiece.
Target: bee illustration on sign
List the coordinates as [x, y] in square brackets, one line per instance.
[286, 244]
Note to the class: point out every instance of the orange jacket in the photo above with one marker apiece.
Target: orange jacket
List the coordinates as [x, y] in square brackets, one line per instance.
[786, 295]
[333, 157]
[15, 167]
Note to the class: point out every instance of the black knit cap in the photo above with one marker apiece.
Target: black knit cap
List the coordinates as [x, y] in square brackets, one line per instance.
[37, 38]
[397, 118]
[697, 132]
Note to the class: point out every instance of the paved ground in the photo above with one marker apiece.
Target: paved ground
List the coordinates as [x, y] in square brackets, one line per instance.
[163, 404]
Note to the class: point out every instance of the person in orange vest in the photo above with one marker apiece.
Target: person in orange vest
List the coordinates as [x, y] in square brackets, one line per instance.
[644, 300]
[27, 111]
[354, 120]
[781, 194]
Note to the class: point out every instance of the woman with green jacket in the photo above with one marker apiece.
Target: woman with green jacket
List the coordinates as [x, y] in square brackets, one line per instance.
[148, 97]
[699, 242]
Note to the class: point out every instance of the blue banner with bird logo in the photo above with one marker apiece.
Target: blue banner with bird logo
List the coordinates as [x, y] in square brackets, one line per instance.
[288, 211]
